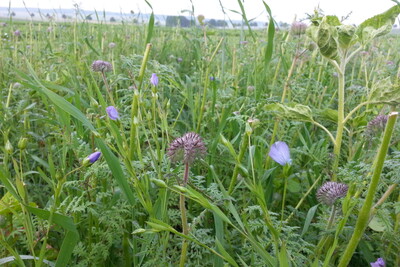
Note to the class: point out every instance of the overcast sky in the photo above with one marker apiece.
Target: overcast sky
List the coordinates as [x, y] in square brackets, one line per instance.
[282, 10]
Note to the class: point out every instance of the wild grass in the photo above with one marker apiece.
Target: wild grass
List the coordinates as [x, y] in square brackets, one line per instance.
[238, 92]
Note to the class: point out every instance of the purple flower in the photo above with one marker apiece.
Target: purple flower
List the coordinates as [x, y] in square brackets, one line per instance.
[17, 33]
[212, 78]
[179, 59]
[187, 148]
[379, 263]
[298, 28]
[112, 113]
[280, 153]
[94, 156]
[329, 192]
[154, 79]
[111, 45]
[244, 42]
[101, 66]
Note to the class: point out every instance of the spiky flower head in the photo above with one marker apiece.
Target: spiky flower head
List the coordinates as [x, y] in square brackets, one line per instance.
[329, 192]
[187, 148]
[379, 263]
[376, 125]
[111, 45]
[101, 66]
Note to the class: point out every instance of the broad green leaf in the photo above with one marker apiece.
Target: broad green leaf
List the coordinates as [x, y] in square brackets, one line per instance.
[327, 38]
[224, 253]
[346, 36]
[376, 224]
[292, 111]
[386, 92]
[378, 25]
[71, 237]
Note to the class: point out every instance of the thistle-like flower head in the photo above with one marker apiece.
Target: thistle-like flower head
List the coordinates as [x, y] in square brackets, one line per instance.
[329, 192]
[187, 148]
[280, 153]
[379, 263]
[101, 66]
[298, 28]
[376, 125]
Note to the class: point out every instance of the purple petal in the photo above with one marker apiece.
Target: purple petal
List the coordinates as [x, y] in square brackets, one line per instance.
[112, 113]
[379, 263]
[280, 153]
[154, 79]
[94, 156]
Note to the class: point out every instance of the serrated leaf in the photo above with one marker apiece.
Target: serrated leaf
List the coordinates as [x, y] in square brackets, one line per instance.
[386, 92]
[292, 111]
[378, 25]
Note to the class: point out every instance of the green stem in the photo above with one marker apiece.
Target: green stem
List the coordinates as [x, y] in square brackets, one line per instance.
[340, 122]
[185, 227]
[365, 211]
[243, 148]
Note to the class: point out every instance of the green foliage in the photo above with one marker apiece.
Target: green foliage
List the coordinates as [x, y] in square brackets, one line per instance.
[123, 209]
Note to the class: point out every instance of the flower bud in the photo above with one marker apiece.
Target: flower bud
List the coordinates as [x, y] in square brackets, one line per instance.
[23, 141]
[8, 147]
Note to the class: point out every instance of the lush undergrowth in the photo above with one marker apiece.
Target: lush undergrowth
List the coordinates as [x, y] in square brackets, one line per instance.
[214, 198]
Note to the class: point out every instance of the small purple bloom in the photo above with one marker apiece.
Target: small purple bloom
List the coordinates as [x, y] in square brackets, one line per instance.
[17, 33]
[179, 59]
[111, 45]
[379, 263]
[154, 79]
[244, 42]
[94, 156]
[212, 78]
[389, 63]
[280, 153]
[112, 113]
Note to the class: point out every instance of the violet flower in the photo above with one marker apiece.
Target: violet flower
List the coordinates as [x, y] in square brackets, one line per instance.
[280, 153]
[112, 113]
[379, 263]
[92, 158]
[154, 79]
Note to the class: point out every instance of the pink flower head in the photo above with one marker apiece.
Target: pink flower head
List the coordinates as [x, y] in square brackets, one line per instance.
[187, 148]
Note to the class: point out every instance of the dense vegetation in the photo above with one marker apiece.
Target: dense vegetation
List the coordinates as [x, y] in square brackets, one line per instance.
[317, 103]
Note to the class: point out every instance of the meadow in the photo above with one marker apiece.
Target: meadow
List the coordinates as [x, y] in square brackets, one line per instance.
[140, 145]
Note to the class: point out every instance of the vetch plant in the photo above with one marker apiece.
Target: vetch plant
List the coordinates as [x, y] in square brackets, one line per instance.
[186, 149]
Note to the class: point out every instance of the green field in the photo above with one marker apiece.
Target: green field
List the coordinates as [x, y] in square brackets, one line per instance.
[292, 156]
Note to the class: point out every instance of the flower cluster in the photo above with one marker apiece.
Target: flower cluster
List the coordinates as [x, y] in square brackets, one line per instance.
[329, 192]
[187, 148]
[101, 66]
